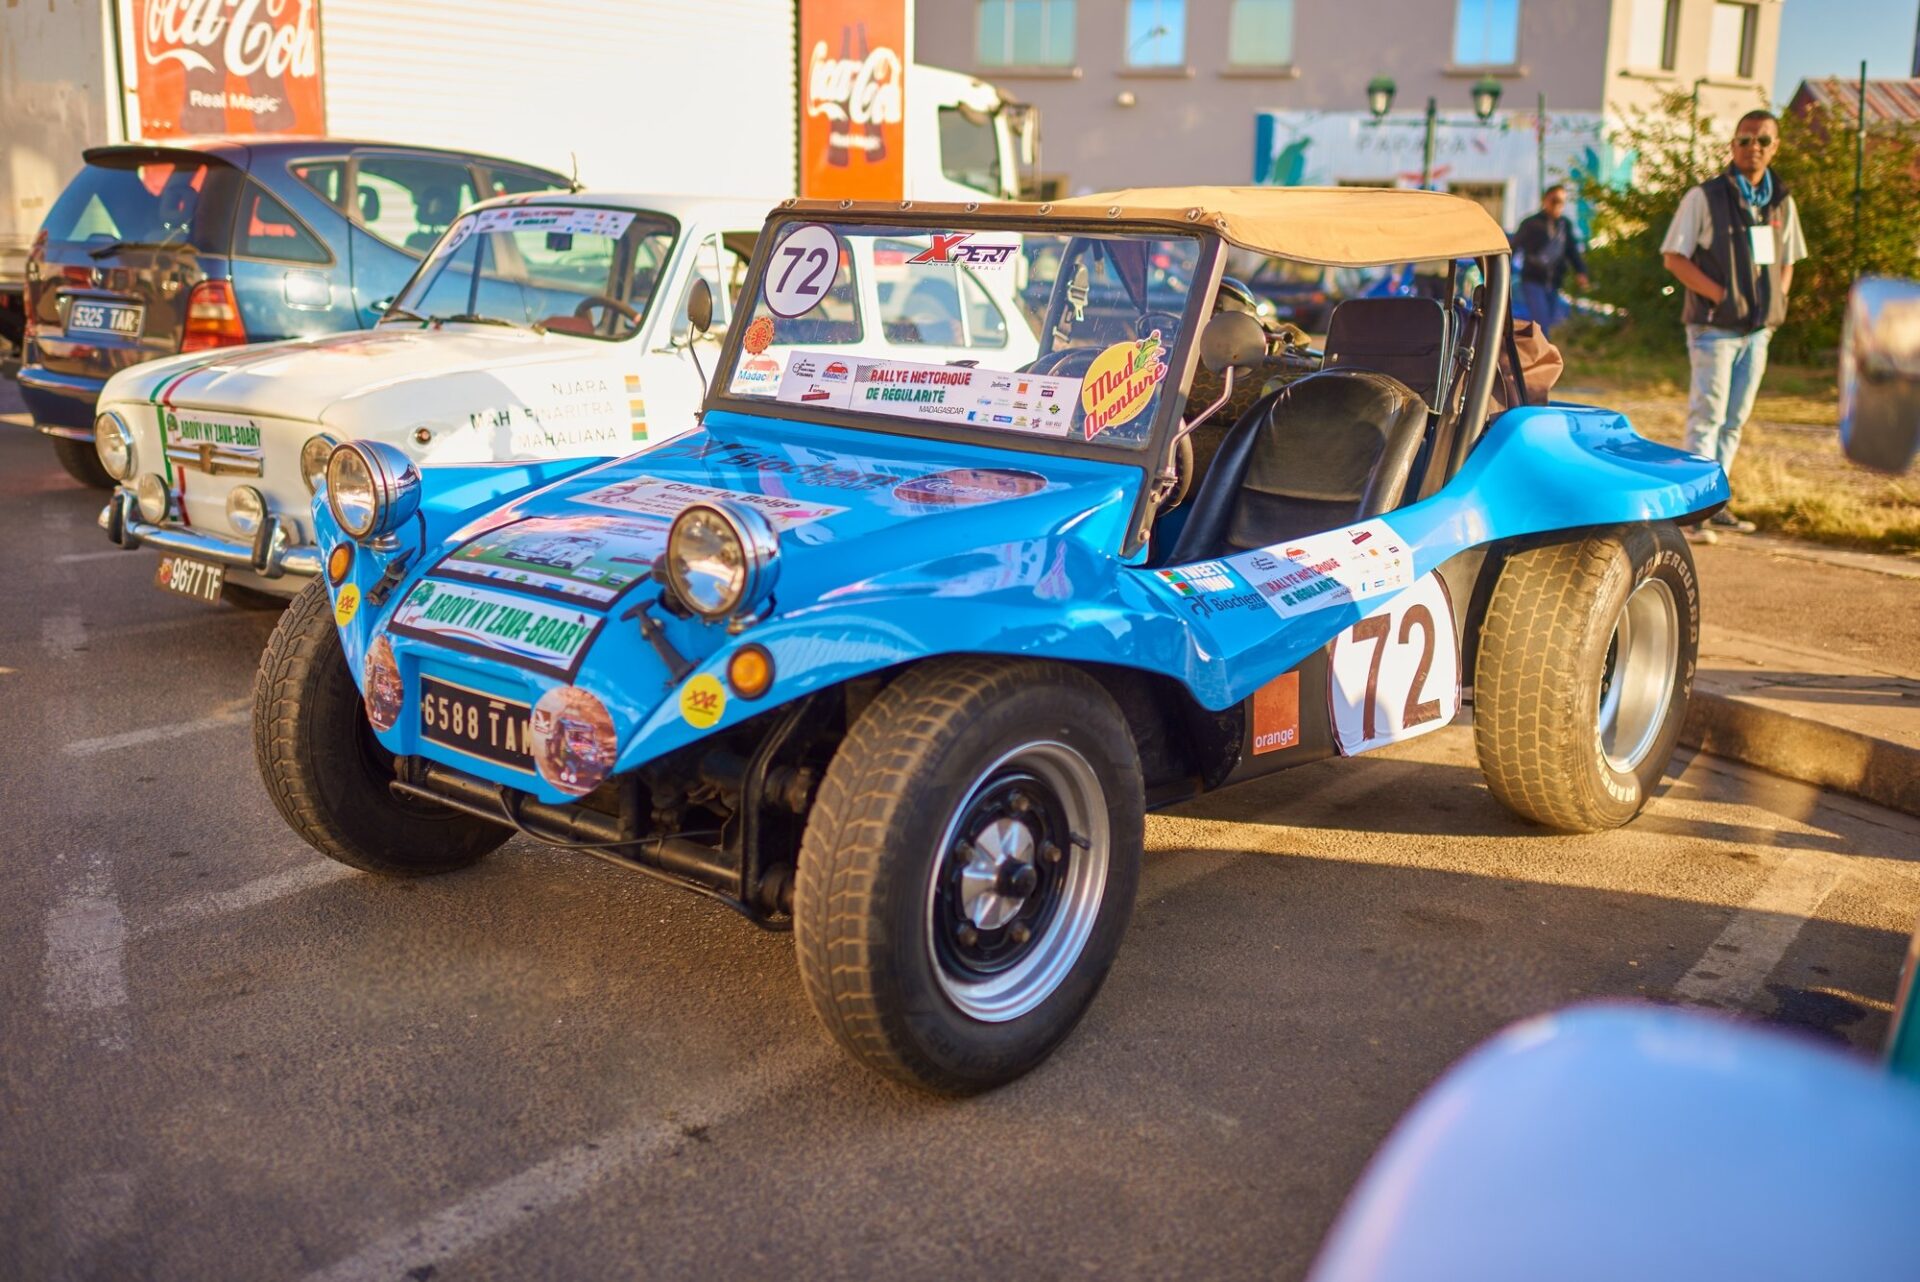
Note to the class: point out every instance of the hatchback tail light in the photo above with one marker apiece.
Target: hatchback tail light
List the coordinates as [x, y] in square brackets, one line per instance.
[213, 318]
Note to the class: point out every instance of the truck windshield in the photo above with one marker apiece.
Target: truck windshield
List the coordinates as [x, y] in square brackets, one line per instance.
[572, 269]
[970, 150]
[1015, 335]
[182, 202]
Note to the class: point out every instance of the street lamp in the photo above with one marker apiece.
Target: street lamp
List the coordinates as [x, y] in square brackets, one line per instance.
[1380, 89]
[1486, 96]
[1380, 96]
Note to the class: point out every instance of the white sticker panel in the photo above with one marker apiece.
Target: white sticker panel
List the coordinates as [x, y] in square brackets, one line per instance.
[557, 218]
[656, 497]
[954, 394]
[1396, 673]
[1324, 570]
[521, 630]
[226, 433]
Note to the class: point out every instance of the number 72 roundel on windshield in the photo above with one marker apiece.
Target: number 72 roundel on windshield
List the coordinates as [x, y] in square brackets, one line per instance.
[1396, 673]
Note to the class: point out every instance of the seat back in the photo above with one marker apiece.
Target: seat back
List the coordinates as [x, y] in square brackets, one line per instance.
[1328, 450]
[1406, 338]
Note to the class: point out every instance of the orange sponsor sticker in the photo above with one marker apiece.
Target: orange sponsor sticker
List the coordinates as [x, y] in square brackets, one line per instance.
[1276, 714]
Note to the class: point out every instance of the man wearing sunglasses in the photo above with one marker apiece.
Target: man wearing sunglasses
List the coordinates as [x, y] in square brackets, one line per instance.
[1733, 243]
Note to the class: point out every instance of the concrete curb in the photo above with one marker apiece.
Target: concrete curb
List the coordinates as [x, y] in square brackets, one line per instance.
[1815, 752]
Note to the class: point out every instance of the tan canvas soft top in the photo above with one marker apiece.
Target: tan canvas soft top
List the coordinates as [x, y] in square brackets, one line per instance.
[1338, 226]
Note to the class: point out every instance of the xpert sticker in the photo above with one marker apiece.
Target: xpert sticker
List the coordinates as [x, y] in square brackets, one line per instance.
[1325, 570]
[974, 249]
[586, 559]
[519, 630]
[703, 701]
[655, 497]
[346, 605]
[1276, 714]
[1121, 382]
[759, 336]
[966, 486]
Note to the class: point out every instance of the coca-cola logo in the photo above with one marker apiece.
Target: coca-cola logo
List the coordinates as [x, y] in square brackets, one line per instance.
[274, 37]
[857, 91]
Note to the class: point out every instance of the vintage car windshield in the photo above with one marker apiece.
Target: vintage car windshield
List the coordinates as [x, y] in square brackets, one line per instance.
[1013, 334]
[571, 269]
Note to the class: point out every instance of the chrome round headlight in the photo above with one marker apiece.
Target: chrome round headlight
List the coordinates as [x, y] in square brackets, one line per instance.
[372, 488]
[155, 502]
[313, 460]
[722, 559]
[246, 509]
[113, 442]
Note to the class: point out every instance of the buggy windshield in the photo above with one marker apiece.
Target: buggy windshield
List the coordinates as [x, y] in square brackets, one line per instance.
[573, 269]
[1012, 334]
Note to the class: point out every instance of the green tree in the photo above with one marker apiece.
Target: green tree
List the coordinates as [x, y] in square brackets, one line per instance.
[1815, 160]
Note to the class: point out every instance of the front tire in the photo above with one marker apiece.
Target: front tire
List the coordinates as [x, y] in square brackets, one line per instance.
[968, 870]
[1585, 667]
[81, 462]
[325, 770]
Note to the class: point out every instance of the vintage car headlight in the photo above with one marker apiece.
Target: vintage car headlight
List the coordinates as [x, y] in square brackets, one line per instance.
[385, 694]
[246, 509]
[573, 740]
[113, 442]
[155, 502]
[313, 460]
[372, 488]
[721, 559]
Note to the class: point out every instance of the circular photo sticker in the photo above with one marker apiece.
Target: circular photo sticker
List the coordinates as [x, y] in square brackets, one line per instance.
[573, 740]
[802, 270]
[759, 336]
[965, 486]
[385, 694]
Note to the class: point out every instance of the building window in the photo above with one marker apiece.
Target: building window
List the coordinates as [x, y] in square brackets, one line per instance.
[1655, 30]
[1260, 33]
[1730, 45]
[1026, 33]
[1156, 33]
[1486, 33]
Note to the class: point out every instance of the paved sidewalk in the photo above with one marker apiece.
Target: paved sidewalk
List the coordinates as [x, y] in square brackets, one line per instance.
[1810, 665]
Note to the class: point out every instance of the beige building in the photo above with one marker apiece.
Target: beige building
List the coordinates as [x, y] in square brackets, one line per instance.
[1145, 92]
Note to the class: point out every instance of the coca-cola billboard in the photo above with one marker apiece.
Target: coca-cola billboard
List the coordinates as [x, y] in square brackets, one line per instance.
[228, 67]
[853, 64]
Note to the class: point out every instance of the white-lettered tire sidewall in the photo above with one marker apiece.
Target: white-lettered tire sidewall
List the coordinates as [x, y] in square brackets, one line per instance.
[1648, 551]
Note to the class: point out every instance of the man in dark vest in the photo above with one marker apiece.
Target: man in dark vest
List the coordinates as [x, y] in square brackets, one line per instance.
[1545, 246]
[1733, 243]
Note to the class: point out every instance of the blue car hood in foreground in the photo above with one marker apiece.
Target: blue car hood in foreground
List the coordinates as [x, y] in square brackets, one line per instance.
[896, 548]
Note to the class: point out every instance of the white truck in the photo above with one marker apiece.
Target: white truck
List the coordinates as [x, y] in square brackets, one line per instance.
[647, 95]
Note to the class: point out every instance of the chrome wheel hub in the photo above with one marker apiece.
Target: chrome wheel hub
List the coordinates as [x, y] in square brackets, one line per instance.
[1637, 684]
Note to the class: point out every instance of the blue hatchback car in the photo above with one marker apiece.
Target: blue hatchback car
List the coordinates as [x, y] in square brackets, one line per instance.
[898, 653]
[154, 249]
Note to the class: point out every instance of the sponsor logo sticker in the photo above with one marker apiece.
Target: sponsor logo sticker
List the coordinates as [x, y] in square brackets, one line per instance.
[1120, 383]
[346, 605]
[703, 701]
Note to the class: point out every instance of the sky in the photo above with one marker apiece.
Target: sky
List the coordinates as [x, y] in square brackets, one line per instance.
[1829, 38]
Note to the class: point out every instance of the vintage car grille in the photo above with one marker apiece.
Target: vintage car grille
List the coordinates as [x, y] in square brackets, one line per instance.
[215, 460]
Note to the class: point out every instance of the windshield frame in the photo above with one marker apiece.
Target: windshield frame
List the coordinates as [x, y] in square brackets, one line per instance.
[1172, 400]
[657, 218]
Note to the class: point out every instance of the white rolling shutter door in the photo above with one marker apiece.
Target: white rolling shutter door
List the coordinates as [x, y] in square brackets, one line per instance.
[692, 96]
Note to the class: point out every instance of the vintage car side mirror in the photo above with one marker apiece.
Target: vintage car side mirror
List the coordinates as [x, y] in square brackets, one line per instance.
[1880, 374]
[1232, 339]
[700, 306]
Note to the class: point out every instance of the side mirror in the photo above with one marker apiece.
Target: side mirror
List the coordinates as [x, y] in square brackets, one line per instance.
[1880, 374]
[1232, 339]
[700, 306]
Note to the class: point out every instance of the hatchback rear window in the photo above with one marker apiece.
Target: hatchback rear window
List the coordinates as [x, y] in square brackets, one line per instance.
[177, 202]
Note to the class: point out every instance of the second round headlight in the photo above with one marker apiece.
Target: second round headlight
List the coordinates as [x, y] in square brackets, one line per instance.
[246, 509]
[371, 488]
[721, 559]
[113, 442]
[313, 460]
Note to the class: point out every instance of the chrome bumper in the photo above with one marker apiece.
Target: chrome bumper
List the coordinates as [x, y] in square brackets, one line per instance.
[270, 555]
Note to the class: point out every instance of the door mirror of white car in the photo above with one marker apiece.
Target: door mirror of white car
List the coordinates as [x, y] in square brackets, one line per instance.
[699, 307]
[1880, 374]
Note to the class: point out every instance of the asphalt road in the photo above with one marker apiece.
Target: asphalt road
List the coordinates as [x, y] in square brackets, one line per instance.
[222, 1056]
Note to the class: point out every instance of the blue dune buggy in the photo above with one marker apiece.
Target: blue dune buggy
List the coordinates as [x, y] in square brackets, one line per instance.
[899, 653]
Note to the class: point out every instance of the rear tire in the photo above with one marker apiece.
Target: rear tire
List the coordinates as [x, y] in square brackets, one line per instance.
[949, 928]
[82, 464]
[1586, 663]
[326, 772]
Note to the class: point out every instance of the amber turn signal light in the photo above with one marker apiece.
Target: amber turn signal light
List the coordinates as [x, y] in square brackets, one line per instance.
[339, 563]
[750, 671]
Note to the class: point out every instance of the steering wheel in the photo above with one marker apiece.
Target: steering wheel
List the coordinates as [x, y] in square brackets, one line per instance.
[1165, 322]
[585, 306]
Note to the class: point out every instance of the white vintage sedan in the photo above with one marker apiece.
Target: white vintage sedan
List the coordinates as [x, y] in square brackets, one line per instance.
[538, 327]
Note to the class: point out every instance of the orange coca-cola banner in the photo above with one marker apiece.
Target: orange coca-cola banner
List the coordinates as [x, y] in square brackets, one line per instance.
[853, 62]
[228, 67]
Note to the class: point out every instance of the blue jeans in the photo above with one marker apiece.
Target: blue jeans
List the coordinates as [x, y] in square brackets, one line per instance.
[1727, 367]
[1542, 304]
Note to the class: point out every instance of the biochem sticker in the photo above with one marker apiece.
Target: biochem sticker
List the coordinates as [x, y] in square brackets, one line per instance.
[1121, 382]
